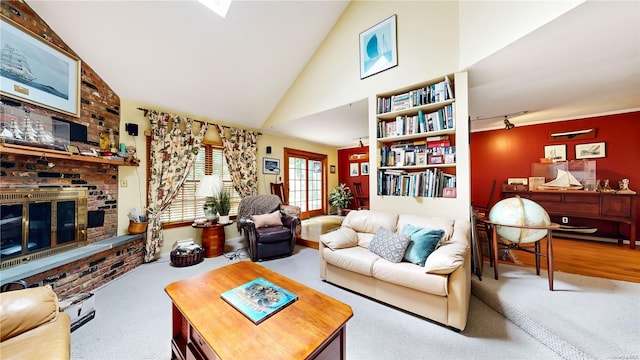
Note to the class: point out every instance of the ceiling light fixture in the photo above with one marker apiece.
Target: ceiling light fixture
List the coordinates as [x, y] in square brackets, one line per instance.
[361, 144]
[507, 124]
[220, 7]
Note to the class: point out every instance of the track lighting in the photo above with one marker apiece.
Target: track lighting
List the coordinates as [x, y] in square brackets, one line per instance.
[507, 124]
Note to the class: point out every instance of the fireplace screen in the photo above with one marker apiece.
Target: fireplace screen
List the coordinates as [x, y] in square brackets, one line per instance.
[36, 223]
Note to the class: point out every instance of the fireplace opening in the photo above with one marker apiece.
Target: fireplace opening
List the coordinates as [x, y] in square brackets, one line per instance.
[40, 222]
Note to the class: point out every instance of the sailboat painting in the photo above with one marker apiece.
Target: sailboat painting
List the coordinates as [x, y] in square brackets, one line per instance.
[378, 48]
[35, 71]
[591, 150]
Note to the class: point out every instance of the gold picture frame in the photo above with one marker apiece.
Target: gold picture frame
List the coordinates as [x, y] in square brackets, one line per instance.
[37, 72]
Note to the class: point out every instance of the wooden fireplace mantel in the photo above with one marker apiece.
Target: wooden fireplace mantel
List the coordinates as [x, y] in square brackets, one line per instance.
[57, 154]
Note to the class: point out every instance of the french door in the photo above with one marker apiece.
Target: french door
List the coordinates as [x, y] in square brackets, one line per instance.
[305, 178]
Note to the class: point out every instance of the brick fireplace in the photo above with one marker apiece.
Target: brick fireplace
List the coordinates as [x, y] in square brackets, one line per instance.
[99, 112]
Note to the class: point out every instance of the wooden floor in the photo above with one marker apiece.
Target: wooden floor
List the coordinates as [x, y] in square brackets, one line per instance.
[584, 257]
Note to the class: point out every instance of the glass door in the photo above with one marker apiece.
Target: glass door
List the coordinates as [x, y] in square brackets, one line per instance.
[305, 181]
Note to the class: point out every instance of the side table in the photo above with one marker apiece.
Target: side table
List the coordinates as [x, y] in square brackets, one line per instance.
[212, 238]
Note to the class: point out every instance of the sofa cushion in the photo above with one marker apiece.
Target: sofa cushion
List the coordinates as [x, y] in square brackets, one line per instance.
[446, 258]
[389, 245]
[342, 237]
[364, 239]
[410, 276]
[432, 222]
[356, 259]
[367, 221]
[273, 219]
[423, 243]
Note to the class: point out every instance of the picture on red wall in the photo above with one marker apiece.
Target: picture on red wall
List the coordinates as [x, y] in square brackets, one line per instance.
[591, 150]
[353, 169]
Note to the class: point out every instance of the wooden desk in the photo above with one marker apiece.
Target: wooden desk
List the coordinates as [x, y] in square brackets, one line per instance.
[621, 208]
[549, 254]
[207, 327]
[212, 238]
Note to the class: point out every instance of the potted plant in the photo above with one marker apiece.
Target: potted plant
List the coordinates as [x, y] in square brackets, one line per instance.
[222, 203]
[340, 197]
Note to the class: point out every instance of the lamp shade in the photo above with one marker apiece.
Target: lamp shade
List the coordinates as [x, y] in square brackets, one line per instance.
[209, 186]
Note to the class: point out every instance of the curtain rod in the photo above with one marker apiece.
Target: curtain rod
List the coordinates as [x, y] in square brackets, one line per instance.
[146, 111]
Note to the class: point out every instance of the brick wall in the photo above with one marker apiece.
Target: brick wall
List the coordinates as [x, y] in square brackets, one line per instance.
[99, 112]
[91, 272]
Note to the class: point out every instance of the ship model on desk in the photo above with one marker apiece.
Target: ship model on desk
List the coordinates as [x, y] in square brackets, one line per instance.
[563, 181]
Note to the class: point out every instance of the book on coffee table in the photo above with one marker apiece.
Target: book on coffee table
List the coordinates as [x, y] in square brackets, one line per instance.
[258, 299]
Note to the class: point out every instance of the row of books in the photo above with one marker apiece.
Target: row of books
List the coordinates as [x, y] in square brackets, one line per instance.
[428, 183]
[429, 94]
[442, 119]
[417, 155]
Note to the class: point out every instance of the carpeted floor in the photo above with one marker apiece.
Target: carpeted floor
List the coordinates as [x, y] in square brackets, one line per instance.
[133, 317]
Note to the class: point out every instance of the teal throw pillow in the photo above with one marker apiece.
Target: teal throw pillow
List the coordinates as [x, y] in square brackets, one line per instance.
[389, 245]
[423, 242]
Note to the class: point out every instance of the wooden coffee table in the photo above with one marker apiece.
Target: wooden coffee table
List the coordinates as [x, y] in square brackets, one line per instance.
[207, 327]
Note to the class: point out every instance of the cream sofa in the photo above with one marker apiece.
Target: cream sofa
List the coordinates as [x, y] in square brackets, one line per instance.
[438, 291]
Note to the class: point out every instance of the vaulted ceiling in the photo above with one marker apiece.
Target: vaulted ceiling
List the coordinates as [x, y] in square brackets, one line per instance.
[180, 56]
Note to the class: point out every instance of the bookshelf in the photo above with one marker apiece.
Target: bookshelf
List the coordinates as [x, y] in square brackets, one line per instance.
[422, 142]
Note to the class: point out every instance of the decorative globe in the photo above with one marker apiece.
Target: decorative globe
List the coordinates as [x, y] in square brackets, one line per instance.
[521, 212]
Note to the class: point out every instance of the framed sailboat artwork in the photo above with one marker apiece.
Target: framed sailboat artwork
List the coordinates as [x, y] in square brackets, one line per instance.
[35, 71]
[378, 48]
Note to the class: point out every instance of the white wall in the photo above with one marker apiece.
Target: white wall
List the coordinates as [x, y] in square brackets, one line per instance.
[488, 26]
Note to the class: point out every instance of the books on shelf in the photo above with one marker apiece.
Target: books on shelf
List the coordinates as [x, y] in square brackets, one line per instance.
[259, 299]
[420, 123]
[428, 183]
[429, 94]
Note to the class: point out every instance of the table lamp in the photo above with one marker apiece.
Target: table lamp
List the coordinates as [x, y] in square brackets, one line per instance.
[208, 188]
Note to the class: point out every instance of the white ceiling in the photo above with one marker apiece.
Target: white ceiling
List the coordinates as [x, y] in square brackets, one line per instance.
[175, 55]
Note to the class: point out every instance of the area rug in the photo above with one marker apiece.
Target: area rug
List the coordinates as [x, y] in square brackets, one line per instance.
[133, 320]
[583, 318]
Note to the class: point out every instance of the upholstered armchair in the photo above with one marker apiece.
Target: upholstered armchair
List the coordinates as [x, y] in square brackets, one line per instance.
[269, 231]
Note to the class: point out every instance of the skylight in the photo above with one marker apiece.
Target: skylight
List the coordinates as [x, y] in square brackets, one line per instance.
[220, 7]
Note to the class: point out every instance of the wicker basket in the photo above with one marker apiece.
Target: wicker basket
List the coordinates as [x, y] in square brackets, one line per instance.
[137, 227]
[179, 259]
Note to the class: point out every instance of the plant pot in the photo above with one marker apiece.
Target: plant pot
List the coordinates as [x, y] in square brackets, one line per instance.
[223, 219]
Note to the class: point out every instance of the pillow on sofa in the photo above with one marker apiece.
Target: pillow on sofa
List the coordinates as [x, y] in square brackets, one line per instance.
[342, 237]
[273, 219]
[389, 245]
[446, 258]
[423, 242]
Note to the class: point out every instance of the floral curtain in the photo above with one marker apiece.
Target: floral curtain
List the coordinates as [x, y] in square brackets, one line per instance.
[240, 151]
[174, 147]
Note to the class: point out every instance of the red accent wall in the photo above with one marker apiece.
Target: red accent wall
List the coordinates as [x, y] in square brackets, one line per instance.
[501, 154]
[344, 175]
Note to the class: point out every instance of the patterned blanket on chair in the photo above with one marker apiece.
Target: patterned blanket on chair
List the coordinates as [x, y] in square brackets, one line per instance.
[257, 205]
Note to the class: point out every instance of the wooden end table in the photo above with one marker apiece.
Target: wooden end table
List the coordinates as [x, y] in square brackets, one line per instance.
[207, 327]
[212, 238]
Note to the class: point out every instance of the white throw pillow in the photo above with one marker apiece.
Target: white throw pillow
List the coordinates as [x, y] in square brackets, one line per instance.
[340, 238]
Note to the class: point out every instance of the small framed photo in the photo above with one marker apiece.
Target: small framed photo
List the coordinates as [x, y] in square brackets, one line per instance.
[591, 150]
[72, 149]
[421, 159]
[332, 169]
[556, 152]
[364, 168]
[354, 169]
[270, 166]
